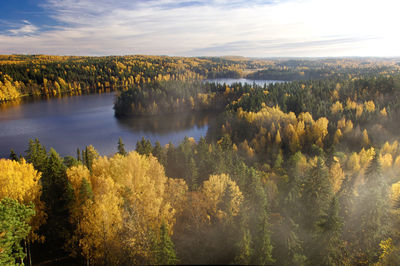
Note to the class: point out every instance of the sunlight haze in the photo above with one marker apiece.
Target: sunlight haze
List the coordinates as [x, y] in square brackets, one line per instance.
[200, 28]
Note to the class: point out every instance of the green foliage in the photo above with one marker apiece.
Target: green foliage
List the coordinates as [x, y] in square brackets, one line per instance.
[164, 250]
[372, 207]
[36, 155]
[57, 195]
[13, 156]
[88, 155]
[14, 228]
[144, 146]
[121, 147]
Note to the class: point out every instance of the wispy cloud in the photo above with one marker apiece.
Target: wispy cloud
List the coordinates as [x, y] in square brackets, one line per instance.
[212, 27]
[25, 29]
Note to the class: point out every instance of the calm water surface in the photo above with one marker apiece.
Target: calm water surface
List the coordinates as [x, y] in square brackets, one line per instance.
[249, 81]
[69, 123]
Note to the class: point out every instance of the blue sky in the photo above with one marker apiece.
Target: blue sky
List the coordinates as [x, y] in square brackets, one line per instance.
[200, 27]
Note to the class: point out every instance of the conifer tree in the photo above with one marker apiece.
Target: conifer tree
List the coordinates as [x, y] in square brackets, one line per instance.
[371, 212]
[13, 156]
[164, 251]
[144, 146]
[121, 147]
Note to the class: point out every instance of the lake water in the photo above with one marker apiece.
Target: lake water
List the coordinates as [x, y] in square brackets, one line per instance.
[69, 123]
[243, 81]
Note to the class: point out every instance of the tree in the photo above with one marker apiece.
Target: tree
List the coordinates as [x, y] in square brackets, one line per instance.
[121, 147]
[144, 147]
[36, 154]
[119, 203]
[164, 250]
[13, 156]
[371, 214]
[327, 248]
[89, 155]
[20, 181]
[58, 196]
[316, 196]
[14, 227]
[100, 225]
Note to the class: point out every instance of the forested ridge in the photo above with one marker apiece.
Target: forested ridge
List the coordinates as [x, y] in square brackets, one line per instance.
[292, 173]
[29, 75]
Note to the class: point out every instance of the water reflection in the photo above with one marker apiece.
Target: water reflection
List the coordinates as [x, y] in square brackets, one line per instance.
[165, 124]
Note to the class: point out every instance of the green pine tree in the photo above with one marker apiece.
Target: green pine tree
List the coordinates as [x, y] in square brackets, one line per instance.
[144, 146]
[164, 251]
[121, 147]
[371, 219]
[36, 154]
[13, 156]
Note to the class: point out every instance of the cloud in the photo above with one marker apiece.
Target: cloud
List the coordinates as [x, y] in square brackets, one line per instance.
[212, 27]
[25, 29]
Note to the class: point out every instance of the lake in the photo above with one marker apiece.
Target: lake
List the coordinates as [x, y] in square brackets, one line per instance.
[68, 123]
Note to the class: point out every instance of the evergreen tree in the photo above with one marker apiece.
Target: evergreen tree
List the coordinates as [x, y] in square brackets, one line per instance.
[327, 248]
[158, 153]
[78, 155]
[371, 212]
[121, 147]
[258, 224]
[288, 248]
[164, 252]
[85, 191]
[36, 154]
[316, 197]
[13, 156]
[89, 155]
[144, 146]
[57, 195]
[191, 174]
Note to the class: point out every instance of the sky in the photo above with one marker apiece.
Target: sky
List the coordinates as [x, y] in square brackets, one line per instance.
[252, 28]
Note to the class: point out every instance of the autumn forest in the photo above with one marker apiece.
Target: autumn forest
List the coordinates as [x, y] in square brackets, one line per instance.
[302, 171]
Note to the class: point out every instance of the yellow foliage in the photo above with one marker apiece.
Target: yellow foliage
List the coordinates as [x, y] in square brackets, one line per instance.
[132, 197]
[349, 127]
[214, 191]
[386, 160]
[395, 192]
[365, 137]
[366, 156]
[100, 225]
[337, 107]
[9, 89]
[350, 105]
[336, 176]
[397, 161]
[359, 110]
[20, 181]
[278, 138]
[320, 128]
[246, 149]
[341, 123]
[353, 163]
[337, 136]
[390, 148]
[383, 112]
[369, 106]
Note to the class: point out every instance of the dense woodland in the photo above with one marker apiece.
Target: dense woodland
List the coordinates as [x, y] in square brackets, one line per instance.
[293, 173]
[27, 75]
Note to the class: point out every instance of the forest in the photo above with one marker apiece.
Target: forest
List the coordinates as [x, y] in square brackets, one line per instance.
[53, 76]
[304, 172]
